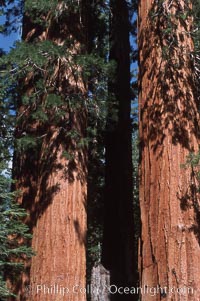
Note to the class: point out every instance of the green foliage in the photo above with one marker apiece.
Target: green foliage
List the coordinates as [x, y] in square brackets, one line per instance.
[25, 143]
[196, 54]
[48, 104]
[40, 10]
[193, 161]
[37, 9]
[13, 232]
[4, 292]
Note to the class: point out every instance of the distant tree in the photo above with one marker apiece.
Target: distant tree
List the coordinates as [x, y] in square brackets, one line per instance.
[98, 16]
[169, 131]
[118, 236]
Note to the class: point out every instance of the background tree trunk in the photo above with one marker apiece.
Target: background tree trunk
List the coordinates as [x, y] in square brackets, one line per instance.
[100, 283]
[169, 130]
[53, 185]
[118, 239]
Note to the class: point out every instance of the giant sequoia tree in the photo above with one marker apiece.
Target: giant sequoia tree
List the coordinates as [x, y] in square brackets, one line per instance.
[50, 164]
[169, 131]
[118, 255]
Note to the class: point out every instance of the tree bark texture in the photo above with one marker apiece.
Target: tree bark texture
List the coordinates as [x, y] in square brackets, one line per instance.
[169, 252]
[53, 186]
[118, 238]
[100, 283]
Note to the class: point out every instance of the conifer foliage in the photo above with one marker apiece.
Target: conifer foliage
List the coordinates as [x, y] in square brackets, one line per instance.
[12, 229]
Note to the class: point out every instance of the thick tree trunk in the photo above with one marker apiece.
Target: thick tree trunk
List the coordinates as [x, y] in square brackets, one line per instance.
[169, 129]
[53, 187]
[118, 240]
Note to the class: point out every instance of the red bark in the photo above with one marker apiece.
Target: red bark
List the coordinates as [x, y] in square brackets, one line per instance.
[169, 130]
[53, 187]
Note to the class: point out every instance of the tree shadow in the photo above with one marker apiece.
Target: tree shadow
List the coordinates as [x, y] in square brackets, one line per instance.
[80, 234]
[190, 199]
[168, 103]
[36, 170]
[39, 168]
[170, 97]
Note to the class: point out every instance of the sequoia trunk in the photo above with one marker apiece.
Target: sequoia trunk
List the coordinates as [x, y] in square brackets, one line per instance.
[52, 175]
[169, 130]
[118, 239]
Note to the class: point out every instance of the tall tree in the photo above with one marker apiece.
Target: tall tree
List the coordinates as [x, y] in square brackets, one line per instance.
[169, 131]
[117, 253]
[50, 165]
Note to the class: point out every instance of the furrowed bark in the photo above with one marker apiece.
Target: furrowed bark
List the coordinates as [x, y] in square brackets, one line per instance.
[169, 131]
[53, 186]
